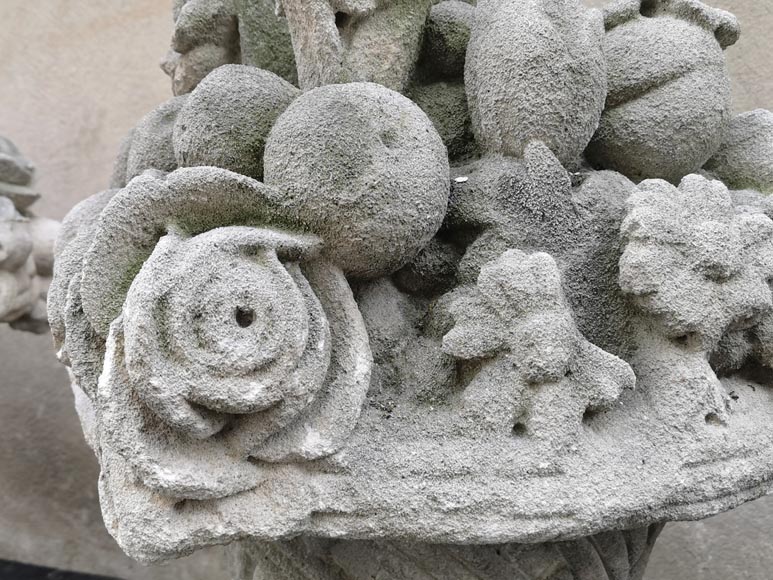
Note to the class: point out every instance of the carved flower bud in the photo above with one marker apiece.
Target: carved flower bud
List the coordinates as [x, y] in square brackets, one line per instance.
[535, 71]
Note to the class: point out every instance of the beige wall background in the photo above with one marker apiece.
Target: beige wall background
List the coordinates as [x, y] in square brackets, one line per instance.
[75, 75]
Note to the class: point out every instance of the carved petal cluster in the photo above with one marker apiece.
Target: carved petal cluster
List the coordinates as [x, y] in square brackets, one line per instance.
[517, 316]
[691, 262]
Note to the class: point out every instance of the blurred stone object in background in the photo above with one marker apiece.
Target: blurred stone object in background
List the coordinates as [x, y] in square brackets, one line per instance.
[26, 245]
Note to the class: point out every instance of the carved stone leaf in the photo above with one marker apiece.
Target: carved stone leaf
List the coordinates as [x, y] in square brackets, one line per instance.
[517, 318]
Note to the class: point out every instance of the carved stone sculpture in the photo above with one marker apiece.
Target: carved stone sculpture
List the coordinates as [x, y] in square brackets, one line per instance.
[428, 290]
[26, 245]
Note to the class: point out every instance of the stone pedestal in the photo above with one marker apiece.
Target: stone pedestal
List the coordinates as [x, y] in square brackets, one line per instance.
[611, 555]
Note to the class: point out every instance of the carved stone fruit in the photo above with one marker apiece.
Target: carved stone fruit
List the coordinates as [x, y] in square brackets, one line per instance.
[227, 118]
[535, 71]
[669, 91]
[364, 167]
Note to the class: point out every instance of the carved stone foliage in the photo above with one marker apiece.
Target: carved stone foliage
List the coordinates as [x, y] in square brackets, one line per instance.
[543, 376]
[698, 271]
[692, 263]
[481, 273]
[26, 245]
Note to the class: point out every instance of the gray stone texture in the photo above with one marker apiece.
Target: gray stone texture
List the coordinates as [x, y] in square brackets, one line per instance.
[246, 368]
[528, 64]
[699, 567]
[619, 555]
[364, 167]
[149, 144]
[342, 41]
[745, 157]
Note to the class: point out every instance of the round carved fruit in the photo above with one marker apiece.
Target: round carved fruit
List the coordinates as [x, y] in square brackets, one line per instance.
[227, 118]
[363, 167]
[669, 91]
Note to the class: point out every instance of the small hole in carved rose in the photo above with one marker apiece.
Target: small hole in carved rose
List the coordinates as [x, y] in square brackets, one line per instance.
[683, 340]
[649, 8]
[244, 317]
[589, 416]
[342, 19]
[519, 430]
[714, 420]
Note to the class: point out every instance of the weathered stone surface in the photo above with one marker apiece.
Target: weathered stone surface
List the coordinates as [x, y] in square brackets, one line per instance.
[392, 451]
[212, 33]
[692, 263]
[226, 121]
[609, 556]
[745, 158]
[669, 91]
[540, 376]
[344, 41]
[446, 37]
[697, 270]
[446, 106]
[151, 141]
[265, 38]
[358, 356]
[206, 35]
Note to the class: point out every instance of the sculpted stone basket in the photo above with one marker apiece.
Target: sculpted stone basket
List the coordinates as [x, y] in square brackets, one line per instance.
[488, 296]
